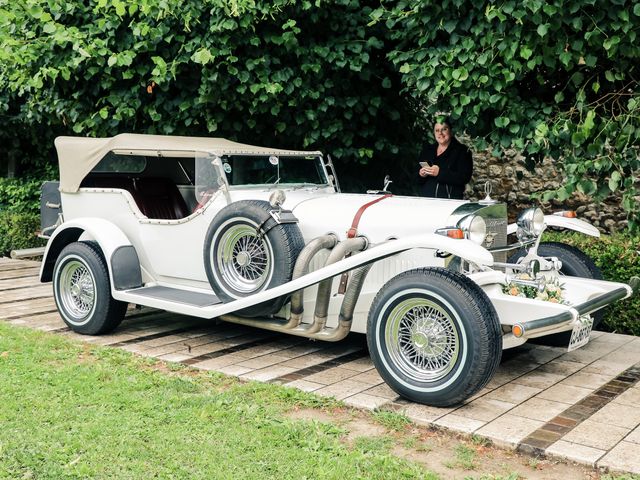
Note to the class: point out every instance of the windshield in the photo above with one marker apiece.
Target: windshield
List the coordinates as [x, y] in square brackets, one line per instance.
[209, 177]
[273, 170]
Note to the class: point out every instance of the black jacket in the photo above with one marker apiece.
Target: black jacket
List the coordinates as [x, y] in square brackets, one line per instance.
[456, 167]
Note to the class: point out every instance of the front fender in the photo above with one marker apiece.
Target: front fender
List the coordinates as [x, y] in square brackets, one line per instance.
[571, 224]
[120, 256]
[564, 222]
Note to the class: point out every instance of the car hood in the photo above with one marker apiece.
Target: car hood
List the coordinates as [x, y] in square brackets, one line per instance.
[320, 212]
[395, 216]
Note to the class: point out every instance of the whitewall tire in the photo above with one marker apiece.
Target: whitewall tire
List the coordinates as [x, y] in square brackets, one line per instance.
[434, 336]
[82, 291]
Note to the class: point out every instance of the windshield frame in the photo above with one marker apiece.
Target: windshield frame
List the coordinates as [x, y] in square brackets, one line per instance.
[318, 158]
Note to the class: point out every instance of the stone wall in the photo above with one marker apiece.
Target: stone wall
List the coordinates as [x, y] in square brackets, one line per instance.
[514, 184]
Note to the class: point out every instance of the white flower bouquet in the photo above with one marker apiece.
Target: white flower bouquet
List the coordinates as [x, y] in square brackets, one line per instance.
[552, 292]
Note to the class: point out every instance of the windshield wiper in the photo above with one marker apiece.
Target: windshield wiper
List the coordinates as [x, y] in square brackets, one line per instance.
[306, 185]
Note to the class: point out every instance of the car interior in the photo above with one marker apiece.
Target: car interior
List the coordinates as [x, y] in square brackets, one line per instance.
[162, 187]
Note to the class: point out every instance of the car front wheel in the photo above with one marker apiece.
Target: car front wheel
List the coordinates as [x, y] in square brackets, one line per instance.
[434, 336]
[82, 291]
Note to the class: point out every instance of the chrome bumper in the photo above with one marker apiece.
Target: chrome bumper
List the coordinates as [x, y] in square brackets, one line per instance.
[539, 325]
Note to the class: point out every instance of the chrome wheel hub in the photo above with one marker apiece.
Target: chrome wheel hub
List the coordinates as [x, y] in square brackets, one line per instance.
[77, 289]
[428, 336]
[244, 258]
[422, 339]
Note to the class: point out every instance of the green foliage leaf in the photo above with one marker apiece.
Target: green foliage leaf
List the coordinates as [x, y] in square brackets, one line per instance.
[587, 186]
[614, 180]
[460, 74]
[120, 7]
[202, 56]
[501, 121]
[543, 29]
[526, 52]
[589, 123]
[611, 42]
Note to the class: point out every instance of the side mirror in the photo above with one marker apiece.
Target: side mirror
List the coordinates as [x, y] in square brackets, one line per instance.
[387, 182]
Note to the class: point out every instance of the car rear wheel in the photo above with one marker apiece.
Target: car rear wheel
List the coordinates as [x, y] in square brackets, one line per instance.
[434, 336]
[575, 263]
[241, 260]
[82, 291]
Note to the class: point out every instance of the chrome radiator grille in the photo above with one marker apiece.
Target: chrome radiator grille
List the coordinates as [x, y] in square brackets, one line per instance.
[496, 236]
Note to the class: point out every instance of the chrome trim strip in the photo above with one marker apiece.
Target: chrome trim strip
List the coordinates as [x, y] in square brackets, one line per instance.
[513, 246]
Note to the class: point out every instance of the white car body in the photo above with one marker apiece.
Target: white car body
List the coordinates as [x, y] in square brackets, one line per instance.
[400, 232]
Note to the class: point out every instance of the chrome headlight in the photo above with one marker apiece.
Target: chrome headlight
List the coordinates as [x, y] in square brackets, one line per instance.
[530, 223]
[474, 228]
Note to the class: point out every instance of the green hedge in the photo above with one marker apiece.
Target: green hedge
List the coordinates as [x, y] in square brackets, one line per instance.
[20, 195]
[18, 230]
[618, 258]
[360, 80]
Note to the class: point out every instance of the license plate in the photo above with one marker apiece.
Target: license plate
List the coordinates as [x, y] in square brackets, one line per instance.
[581, 333]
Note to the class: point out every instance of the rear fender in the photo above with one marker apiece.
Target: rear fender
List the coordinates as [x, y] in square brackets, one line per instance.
[121, 257]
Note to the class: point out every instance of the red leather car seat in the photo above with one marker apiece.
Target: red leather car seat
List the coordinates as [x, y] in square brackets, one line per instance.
[159, 197]
[156, 197]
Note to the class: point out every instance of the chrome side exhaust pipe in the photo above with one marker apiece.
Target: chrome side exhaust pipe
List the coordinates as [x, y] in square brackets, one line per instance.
[317, 329]
[334, 334]
[324, 287]
[301, 268]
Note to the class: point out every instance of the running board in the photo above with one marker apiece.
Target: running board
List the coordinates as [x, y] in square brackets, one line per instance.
[176, 295]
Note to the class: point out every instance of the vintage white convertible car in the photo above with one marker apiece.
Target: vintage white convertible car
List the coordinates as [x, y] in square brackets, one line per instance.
[263, 237]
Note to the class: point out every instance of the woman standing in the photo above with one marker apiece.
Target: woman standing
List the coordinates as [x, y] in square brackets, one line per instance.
[446, 166]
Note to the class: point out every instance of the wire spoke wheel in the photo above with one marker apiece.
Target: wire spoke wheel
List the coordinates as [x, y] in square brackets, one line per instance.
[77, 289]
[422, 339]
[434, 336]
[82, 290]
[240, 262]
[244, 258]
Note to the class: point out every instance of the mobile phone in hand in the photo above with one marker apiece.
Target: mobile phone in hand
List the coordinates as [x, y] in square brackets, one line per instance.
[424, 164]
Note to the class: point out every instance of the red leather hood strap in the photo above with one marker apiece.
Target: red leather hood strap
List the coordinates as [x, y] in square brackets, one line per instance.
[353, 232]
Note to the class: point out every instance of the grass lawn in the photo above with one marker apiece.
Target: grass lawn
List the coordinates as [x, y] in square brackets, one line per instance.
[70, 410]
[74, 410]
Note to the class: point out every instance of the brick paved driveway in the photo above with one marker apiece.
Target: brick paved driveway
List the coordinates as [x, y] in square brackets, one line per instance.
[583, 405]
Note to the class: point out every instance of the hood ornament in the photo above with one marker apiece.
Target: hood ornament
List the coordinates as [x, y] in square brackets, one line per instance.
[487, 200]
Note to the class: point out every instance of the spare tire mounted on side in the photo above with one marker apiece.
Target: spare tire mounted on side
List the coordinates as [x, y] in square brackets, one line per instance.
[246, 251]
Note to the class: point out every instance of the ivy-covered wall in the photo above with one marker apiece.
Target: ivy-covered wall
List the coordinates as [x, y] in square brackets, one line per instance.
[552, 78]
[521, 188]
[288, 74]
[360, 80]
